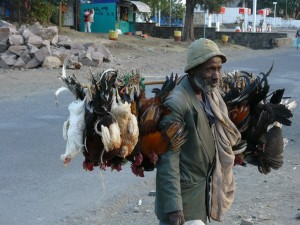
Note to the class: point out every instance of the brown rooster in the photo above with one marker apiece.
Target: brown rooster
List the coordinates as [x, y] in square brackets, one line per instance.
[143, 103]
[153, 141]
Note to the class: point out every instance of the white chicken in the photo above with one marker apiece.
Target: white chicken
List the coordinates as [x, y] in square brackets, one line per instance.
[74, 126]
[73, 130]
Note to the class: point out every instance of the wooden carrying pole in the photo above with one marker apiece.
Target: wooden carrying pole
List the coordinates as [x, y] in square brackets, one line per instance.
[153, 82]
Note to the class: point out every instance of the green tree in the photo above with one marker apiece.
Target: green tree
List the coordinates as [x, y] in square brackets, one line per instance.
[288, 8]
[188, 27]
[41, 11]
[261, 4]
[177, 8]
[31, 11]
[295, 6]
[211, 6]
[17, 10]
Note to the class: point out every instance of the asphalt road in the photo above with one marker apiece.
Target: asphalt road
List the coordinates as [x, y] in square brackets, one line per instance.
[35, 188]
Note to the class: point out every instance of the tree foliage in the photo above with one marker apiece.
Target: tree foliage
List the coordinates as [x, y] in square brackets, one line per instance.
[41, 11]
[261, 4]
[177, 7]
[211, 6]
[31, 11]
[288, 8]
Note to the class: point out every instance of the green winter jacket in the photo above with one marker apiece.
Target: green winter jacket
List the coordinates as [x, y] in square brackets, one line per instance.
[182, 174]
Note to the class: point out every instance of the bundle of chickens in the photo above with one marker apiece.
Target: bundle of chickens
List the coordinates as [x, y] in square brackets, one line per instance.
[112, 122]
[259, 114]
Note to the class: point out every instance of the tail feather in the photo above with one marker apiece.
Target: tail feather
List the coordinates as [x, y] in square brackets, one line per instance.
[64, 68]
[292, 105]
[277, 96]
[167, 87]
[176, 133]
[282, 115]
[150, 119]
[105, 136]
[71, 82]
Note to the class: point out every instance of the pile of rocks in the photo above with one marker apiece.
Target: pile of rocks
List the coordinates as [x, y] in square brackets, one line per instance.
[35, 46]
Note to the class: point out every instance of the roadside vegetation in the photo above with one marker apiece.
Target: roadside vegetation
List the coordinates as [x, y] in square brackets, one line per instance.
[172, 11]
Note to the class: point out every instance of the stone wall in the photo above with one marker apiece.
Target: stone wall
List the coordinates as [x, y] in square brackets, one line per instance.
[168, 32]
[33, 46]
[260, 40]
[247, 39]
[210, 32]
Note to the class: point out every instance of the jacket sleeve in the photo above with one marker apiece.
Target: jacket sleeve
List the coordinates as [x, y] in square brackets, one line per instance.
[168, 170]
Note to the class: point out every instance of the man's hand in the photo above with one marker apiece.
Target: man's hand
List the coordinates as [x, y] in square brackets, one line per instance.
[177, 218]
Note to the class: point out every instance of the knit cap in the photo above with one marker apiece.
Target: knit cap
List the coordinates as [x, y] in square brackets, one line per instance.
[200, 51]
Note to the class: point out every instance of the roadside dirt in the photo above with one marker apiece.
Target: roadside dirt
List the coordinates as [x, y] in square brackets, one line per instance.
[153, 57]
[156, 58]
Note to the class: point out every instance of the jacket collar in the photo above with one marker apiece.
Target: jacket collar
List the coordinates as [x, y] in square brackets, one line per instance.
[198, 108]
[191, 93]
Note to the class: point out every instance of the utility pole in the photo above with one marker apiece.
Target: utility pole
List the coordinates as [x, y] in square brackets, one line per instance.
[170, 13]
[275, 3]
[204, 27]
[254, 16]
[159, 14]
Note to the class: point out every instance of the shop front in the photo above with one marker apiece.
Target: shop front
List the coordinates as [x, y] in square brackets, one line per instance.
[113, 15]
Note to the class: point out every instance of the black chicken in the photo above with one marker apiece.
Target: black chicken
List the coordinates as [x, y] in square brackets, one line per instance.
[258, 117]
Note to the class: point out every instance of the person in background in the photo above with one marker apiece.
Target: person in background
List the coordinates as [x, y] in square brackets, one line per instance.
[92, 13]
[298, 39]
[249, 27]
[124, 14]
[87, 24]
[184, 175]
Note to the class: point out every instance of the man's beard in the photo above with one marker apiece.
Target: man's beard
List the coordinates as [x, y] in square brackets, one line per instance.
[205, 85]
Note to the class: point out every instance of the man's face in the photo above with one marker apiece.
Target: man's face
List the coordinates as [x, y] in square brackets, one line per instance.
[205, 77]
